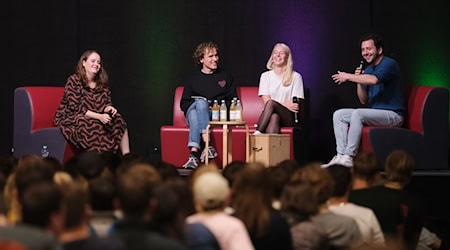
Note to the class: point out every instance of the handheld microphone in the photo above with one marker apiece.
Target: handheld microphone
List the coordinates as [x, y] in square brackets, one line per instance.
[295, 100]
[361, 64]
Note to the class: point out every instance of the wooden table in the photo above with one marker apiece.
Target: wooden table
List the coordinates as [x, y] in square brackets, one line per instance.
[227, 140]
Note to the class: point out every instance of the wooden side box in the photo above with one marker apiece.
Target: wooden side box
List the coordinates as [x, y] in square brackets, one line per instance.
[269, 149]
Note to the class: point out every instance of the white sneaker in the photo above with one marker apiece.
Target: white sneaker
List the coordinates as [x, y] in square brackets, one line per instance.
[257, 132]
[346, 160]
[335, 160]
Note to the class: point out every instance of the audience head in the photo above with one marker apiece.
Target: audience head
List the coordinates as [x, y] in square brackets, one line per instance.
[210, 191]
[298, 202]
[166, 170]
[290, 165]
[278, 177]
[31, 169]
[90, 164]
[342, 178]
[54, 163]
[135, 186]
[102, 192]
[319, 179]
[62, 178]
[232, 171]
[7, 166]
[70, 166]
[76, 205]
[112, 160]
[251, 199]
[200, 170]
[42, 206]
[399, 167]
[366, 166]
[10, 199]
[131, 159]
[184, 194]
[252, 187]
[90, 56]
[171, 205]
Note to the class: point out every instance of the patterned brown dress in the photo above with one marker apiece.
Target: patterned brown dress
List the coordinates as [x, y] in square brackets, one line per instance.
[84, 132]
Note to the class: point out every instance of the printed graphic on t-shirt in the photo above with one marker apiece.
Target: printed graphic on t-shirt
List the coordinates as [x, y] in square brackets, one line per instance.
[222, 83]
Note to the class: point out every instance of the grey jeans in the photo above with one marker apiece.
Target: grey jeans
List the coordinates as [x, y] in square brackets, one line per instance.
[348, 124]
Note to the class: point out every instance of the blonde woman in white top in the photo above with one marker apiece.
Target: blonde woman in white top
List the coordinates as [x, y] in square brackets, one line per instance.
[277, 88]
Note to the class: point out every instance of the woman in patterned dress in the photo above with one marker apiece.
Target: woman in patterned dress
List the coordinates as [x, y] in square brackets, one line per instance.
[86, 116]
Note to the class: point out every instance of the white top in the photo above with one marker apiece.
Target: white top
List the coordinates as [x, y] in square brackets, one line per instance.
[366, 220]
[426, 239]
[270, 84]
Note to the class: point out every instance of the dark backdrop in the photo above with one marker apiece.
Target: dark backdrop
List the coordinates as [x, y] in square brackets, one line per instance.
[146, 47]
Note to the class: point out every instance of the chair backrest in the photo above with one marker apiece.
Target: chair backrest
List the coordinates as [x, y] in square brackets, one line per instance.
[427, 108]
[252, 105]
[428, 114]
[44, 102]
[179, 119]
[34, 111]
[38, 104]
[416, 100]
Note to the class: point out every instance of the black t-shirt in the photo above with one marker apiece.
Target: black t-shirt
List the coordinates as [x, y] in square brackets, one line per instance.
[392, 207]
[216, 86]
[384, 203]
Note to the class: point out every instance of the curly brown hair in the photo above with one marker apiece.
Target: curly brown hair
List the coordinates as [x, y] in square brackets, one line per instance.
[200, 51]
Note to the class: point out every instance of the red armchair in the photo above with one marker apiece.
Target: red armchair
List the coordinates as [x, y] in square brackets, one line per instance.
[174, 137]
[34, 110]
[424, 134]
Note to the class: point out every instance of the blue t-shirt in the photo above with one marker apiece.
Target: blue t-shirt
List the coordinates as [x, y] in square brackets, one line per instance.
[388, 92]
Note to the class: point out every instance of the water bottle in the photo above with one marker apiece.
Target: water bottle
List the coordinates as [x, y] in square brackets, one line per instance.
[223, 111]
[215, 111]
[233, 110]
[44, 151]
[238, 111]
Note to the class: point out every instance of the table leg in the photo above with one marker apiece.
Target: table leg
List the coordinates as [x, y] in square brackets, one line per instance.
[207, 144]
[247, 144]
[224, 145]
[230, 145]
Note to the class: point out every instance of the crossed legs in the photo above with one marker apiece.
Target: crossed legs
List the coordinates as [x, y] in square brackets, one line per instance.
[273, 117]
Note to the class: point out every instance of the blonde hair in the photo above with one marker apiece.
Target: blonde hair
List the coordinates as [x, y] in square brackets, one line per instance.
[211, 167]
[12, 205]
[62, 178]
[289, 69]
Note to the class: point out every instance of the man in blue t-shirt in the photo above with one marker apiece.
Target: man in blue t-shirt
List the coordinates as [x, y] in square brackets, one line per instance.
[381, 86]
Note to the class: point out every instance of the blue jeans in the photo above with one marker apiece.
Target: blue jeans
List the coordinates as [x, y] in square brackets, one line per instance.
[348, 125]
[197, 118]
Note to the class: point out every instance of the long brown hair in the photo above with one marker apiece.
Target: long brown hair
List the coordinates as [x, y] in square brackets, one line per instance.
[251, 199]
[101, 78]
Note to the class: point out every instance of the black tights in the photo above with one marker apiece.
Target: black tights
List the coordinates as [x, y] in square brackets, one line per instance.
[273, 117]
